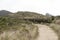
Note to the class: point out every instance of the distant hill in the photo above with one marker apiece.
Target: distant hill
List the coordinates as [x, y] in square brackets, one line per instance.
[25, 15]
[32, 16]
[21, 14]
[4, 13]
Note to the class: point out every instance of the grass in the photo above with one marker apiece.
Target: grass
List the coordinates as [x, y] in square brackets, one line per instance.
[56, 28]
[17, 29]
[20, 32]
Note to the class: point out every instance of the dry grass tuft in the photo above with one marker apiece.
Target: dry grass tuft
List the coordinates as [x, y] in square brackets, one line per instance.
[56, 28]
[20, 32]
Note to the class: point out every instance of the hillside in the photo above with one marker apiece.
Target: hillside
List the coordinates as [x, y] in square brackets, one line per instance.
[22, 25]
[4, 13]
[26, 15]
[32, 16]
[20, 29]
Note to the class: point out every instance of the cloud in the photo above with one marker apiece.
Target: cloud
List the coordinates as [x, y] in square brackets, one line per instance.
[40, 6]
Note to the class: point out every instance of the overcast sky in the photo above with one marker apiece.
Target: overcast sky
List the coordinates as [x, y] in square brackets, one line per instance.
[39, 6]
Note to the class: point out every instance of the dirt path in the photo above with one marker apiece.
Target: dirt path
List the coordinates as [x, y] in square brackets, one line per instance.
[46, 33]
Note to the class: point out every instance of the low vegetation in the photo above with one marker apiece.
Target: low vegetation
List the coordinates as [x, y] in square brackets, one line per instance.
[19, 32]
[20, 25]
[20, 29]
[56, 28]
